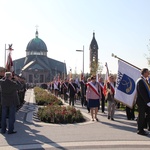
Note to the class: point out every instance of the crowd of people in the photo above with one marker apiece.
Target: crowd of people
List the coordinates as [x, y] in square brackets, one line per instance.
[89, 92]
[93, 94]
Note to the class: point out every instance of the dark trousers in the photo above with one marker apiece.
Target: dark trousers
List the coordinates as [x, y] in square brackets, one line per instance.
[71, 101]
[143, 111]
[88, 108]
[65, 96]
[9, 111]
[103, 105]
[130, 113]
[83, 101]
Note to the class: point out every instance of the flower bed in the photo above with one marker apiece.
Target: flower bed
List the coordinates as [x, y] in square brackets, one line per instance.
[42, 97]
[53, 111]
[60, 114]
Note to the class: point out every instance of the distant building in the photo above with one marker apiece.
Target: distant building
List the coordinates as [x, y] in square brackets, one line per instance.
[36, 67]
[93, 55]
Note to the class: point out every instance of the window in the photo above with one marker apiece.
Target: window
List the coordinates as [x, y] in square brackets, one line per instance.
[41, 78]
[30, 78]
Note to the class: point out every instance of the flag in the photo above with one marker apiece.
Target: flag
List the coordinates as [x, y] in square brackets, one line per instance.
[107, 73]
[106, 79]
[97, 76]
[125, 89]
[82, 76]
[9, 64]
[70, 74]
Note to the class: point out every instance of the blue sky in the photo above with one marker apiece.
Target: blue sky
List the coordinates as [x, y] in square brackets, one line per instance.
[121, 27]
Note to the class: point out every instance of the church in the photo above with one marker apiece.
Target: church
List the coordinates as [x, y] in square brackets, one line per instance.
[36, 67]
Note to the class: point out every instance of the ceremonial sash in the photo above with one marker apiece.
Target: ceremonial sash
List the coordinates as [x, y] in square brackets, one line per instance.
[56, 85]
[82, 82]
[73, 87]
[65, 85]
[101, 85]
[93, 88]
[147, 86]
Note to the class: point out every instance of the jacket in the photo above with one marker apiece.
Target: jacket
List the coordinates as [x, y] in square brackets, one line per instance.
[9, 95]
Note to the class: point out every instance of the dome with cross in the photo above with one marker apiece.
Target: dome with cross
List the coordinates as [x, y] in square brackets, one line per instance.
[36, 45]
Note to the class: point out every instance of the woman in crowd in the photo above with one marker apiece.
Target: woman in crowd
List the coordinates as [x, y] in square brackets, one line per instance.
[93, 96]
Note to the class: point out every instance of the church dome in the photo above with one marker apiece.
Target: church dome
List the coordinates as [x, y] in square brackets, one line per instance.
[36, 44]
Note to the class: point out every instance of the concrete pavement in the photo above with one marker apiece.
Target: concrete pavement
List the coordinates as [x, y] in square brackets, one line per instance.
[105, 134]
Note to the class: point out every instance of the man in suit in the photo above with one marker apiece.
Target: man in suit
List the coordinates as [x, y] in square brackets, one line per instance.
[142, 100]
[101, 82]
[72, 89]
[82, 87]
[65, 89]
[9, 101]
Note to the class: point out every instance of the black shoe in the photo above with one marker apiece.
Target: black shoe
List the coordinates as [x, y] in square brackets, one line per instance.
[13, 132]
[108, 117]
[112, 119]
[96, 119]
[142, 132]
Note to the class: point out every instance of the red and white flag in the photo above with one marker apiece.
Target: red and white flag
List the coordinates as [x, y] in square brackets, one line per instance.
[106, 79]
[9, 65]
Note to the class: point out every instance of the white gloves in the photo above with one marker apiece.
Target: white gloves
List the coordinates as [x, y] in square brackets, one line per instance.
[148, 104]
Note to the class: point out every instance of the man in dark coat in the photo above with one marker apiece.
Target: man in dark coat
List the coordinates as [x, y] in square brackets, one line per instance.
[82, 86]
[9, 101]
[142, 100]
[65, 89]
[101, 82]
[72, 89]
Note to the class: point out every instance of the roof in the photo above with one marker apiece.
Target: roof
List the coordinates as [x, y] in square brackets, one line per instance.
[94, 43]
[40, 62]
[36, 44]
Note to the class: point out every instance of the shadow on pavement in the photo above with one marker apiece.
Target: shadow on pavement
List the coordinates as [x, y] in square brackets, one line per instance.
[27, 135]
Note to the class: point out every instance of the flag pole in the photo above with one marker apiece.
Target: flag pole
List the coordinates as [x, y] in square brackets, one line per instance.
[115, 56]
[5, 57]
[107, 68]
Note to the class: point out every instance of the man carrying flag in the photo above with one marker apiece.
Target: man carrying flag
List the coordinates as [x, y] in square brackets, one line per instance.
[110, 91]
[143, 101]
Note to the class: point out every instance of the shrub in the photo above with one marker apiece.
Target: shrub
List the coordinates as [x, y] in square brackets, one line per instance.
[60, 114]
[42, 97]
[53, 111]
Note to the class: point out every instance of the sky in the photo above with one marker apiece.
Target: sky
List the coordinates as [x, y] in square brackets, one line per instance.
[121, 27]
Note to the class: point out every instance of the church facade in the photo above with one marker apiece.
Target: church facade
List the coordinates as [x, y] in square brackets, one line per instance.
[36, 67]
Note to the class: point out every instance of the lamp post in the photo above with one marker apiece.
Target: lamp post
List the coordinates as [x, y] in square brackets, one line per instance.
[83, 57]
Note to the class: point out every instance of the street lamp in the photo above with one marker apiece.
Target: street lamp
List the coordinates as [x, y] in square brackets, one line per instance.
[83, 57]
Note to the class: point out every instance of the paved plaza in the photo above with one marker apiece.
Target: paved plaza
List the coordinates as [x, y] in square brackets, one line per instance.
[105, 134]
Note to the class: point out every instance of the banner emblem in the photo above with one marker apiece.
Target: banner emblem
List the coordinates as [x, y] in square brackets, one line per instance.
[126, 84]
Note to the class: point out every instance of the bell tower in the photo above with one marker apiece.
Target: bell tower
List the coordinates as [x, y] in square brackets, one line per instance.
[93, 56]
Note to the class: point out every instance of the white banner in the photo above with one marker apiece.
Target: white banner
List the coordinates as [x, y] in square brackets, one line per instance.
[125, 89]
